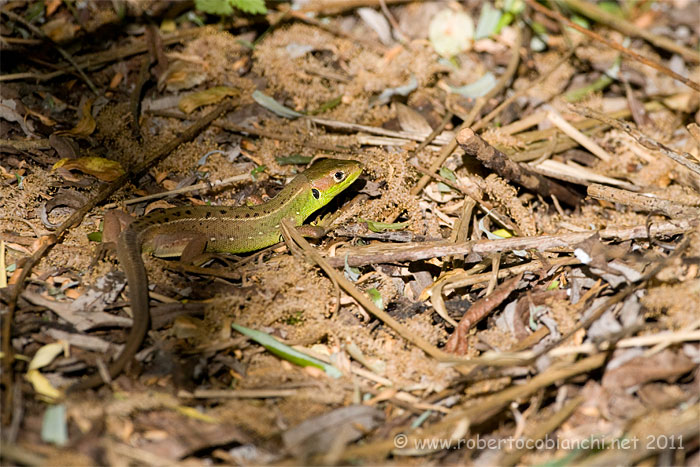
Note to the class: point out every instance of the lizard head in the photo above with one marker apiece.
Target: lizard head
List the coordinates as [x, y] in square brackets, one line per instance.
[328, 177]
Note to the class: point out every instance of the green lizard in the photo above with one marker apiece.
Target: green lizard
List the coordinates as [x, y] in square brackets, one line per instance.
[220, 229]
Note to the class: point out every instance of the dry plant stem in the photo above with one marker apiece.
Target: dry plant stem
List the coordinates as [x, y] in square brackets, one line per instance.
[501, 359]
[494, 159]
[662, 340]
[339, 125]
[577, 136]
[361, 298]
[641, 202]
[460, 232]
[38, 32]
[484, 121]
[685, 159]
[618, 297]
[657, 66]
[486, 408]
[394, 24]
[493, 281]
[466, 280]
[49, 241]
[523, 124]
[445, 120]
[391, 253]
[543, 430]
[669, 341]
[19, 40]
[592, 11]
[576, 174]
[438, 304]
[3, 273]
[583, 125]
[449, 148]
[101, 58]
[237, 393]
[178, 191]
[360, 230]
[259, 133]
[473, 194]
[135, 98]
[26, 145]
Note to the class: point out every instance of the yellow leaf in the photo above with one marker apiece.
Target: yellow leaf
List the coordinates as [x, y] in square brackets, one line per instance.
[46, 354]
[210, 96]
[86, 125]
[104, 169]
[503, 233]
[42, 386]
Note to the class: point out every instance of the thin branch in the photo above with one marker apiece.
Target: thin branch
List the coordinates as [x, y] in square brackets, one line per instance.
[594, 12]
[657, 66]
[38, 32]
[684, 159]
[392, 253]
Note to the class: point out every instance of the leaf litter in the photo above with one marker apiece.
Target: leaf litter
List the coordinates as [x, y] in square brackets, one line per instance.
[577, 321]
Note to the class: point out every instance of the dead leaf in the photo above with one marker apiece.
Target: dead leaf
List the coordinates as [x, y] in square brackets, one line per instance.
[160, 204]
[667, 366]
[86, 125]
[338, 427]
[210, 96]
[99, 167]
[61, 29]
[169, 184]
[69, 198]
[64, 146]
[411, 121]
[11, 110]
[44, 119]
[42, 385]
[52, 6]
[46, 354]
[181, 75]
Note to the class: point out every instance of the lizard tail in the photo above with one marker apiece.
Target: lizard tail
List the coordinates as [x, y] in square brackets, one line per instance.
[129, 254]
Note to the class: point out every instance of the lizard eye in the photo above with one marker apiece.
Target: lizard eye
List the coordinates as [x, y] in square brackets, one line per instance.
[339, 176]
[315, 193]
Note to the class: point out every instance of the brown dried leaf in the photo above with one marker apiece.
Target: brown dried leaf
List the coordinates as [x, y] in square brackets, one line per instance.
[60, 29]
[64, 146]
[210, 96]
[52, 6]
[99, 167]
[86, 125]
[667, 366]
[160, 204]
[338, 426]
